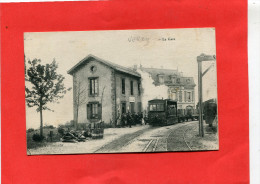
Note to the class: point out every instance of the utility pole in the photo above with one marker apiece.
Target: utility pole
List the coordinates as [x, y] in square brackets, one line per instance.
[201, 58]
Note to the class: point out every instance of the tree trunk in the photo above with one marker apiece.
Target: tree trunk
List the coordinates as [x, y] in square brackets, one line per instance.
[77, 116]
[41, 127]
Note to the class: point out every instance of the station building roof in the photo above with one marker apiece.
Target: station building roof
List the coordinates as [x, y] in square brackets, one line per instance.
[114, 66]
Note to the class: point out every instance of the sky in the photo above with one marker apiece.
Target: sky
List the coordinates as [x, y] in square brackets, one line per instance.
[157, 48]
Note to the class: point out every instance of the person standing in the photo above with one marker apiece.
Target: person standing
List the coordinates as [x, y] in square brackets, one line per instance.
[129, 119]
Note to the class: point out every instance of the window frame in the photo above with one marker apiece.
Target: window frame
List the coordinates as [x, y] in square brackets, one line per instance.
[123, 86]
[139, 88]
[156, 107]
[189, 96]
[96, 86]
[90, 114]
[131, 87]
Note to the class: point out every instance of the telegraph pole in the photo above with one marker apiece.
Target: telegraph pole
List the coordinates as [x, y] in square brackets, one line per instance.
[201, 58]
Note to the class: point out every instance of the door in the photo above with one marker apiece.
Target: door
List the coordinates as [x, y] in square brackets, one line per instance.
[132, 107]
[123, 107]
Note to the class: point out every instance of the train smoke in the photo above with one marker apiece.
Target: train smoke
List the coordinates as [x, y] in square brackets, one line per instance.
[149, 90]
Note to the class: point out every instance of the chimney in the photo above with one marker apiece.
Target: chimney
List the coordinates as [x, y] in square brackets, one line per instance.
[135, 67]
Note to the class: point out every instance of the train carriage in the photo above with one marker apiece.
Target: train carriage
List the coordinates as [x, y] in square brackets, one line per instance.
[162, 112]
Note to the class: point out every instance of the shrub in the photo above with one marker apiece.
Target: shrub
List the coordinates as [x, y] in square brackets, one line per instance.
[48, 127]
[106, 125]
[61, 130]
[30, 130]
[82, 126]
[37, 138]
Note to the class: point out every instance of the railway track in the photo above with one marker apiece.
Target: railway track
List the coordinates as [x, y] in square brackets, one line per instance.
[176, 140]
[151, 145]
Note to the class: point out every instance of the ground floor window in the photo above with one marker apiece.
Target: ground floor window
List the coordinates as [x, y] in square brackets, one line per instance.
[132, 107]
[94, 110]
[139, 106]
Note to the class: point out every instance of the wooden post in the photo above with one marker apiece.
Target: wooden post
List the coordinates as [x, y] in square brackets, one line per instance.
[201, 58]
[201, 131]
[51, 135]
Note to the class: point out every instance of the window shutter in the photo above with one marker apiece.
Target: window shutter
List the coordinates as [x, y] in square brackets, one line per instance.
[89, 87]
[97, 92]
[99, 111]
[88, 112]
[185, 96]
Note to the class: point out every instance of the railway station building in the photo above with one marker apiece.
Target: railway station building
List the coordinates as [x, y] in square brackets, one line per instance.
[103, 90]
[180, 88]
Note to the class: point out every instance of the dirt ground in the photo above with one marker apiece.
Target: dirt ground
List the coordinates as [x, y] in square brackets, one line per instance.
[90, 146]
[139, 138]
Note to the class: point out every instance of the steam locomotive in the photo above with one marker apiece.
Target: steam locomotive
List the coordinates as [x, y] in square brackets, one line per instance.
[165, 112]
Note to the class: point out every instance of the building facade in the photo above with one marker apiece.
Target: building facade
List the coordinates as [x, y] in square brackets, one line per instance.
[180, 88]
[102, 90]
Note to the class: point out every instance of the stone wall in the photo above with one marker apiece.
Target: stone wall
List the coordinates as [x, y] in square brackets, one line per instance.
[104, 75]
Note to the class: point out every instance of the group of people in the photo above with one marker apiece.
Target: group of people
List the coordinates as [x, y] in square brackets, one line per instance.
[129, 119]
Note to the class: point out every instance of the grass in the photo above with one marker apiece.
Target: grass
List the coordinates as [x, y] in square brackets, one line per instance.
[46, 132]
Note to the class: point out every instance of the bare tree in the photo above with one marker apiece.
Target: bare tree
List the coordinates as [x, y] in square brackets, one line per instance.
[102, 100]
[80, 99]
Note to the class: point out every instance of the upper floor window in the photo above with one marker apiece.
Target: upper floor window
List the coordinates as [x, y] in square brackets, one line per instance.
[139, 88]
[93, 69]
[123, 86]
[93, 86]
[180, 96]
[132, 87]
[173, 79]
[161, 79]
[189, 98]
[178, 80]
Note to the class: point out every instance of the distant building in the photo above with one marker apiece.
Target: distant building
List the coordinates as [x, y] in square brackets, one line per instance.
[180, 88]
[104, 90]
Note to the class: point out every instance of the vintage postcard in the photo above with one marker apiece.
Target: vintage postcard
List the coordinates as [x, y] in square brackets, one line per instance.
[118, 91]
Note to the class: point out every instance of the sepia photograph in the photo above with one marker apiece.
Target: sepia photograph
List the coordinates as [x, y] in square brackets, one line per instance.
[121, 91]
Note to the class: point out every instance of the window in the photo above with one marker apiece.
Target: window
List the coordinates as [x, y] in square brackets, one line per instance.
[178, 80]
[132, 107]
[156, 107]
[172, 109]
[160, 107]
[152, 107]
[93, 69]
[161, 79]
[93, 86]
[173, 79]
[123, 107]
[139, 106]
[94, 110]
[173, 95]
[139, 88]
[180, 96]
[188, 96]
[123, 86]
[132, 87]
